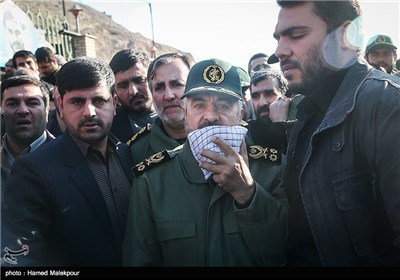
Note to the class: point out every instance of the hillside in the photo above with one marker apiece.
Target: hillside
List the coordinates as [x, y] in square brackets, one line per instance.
[111, 37]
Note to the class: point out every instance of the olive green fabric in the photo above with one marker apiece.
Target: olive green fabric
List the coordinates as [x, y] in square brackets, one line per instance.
[152, 141]
[177, 218]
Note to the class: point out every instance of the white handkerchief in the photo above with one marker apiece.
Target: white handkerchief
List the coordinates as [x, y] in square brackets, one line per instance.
[201, 139]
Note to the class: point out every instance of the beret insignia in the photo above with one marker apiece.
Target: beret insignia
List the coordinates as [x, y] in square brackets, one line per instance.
[380, 40]
[258, 152]
[214, 74]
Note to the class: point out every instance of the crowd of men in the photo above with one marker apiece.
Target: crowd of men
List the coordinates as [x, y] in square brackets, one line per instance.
[171, 162]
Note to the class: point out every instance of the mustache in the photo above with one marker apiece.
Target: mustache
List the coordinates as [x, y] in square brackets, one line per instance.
[172, 103]
[137, 96]
[289, 61]
[264, 109]
[209, 124]
[91, 121]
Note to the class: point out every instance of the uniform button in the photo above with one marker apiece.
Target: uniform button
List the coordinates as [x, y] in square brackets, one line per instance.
[338, 145]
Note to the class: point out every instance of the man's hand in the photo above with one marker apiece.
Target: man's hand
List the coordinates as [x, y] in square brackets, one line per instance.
[278, 110]
[231, 171]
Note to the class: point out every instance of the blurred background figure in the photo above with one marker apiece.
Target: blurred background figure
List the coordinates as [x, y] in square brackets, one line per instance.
[382, 53]
[8, 69]
[47, 64]
[258, 62]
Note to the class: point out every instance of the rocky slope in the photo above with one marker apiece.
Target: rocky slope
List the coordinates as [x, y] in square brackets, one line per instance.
[111, 37]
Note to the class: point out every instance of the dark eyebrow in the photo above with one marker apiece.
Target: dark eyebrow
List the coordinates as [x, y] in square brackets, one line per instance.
[289, 30]
[159, 84]
[124, 82]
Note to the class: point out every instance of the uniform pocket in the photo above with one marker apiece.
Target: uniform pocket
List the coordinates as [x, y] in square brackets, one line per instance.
[177, 238]
[175, 229]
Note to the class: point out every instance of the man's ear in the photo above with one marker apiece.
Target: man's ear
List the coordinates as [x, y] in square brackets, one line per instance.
[60, 105]
[352, 34]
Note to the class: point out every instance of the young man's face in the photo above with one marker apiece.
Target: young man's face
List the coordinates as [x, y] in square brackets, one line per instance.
[301, 35]
[263, 94]
[47, 68]
[26, 62]
[88, 113]
[132, 89]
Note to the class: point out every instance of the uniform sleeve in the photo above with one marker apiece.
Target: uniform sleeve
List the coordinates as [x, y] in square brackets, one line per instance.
[264, 223]
[140, 243]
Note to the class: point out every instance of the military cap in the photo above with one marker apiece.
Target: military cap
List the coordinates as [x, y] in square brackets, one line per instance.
[214, 76]
[244, 78]
[272, 59]
[379, 41]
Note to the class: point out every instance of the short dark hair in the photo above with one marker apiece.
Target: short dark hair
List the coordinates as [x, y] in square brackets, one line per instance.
[22, 53]
[20, 80]
[255, 56]
[44, 54]
[269, 74]
[125, 59]
[164, 60]
[334, 13]
[84, 72]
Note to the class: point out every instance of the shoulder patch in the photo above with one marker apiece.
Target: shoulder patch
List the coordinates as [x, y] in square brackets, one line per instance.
[258, 152]
[142, 131]
[154, 160]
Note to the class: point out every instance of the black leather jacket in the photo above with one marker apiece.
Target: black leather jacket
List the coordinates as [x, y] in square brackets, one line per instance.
[350, 183]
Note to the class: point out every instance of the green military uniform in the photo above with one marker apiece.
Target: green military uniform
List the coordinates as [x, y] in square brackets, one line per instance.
[177, 218]
[150, 140]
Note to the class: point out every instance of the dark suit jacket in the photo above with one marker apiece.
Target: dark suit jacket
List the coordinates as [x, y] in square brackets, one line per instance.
[55, 206]
[6, 168]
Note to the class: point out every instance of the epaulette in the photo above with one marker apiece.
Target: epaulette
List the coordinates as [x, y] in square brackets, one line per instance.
[258, 152]
[138, 135]
[154, 160]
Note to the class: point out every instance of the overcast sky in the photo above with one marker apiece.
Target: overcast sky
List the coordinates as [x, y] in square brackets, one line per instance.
[229, 30]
